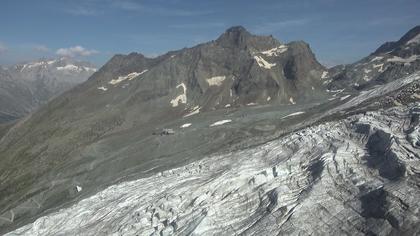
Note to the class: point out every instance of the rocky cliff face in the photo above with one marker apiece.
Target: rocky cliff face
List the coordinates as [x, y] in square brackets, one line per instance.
[237, 69]
[25, 87]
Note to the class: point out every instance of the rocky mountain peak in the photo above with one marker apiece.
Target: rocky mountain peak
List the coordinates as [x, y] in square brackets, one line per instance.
[236, 69]
[235, 36]
[236, 31]
[392, 60]
[412, 37]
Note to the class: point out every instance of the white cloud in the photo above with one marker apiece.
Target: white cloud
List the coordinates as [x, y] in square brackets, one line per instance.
[3, 48]
[75, 51]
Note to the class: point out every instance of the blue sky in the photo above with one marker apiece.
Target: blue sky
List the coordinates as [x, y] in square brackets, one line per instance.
[94, 30]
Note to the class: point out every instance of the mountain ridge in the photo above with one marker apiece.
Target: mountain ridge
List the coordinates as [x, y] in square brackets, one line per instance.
[389, 46]
[30, 85]
[384, 65]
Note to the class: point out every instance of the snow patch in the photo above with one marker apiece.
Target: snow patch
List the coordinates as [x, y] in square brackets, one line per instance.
[69, 67]
[403, 60]
[138, 74]
[292, 101]
[366, 78]
[324, 75]
[220, 122]
[345, 97]
[275, 51]
[35, 64]
[194, 111]
[263, 63]
[129, 77]
[327, 81]
[416, 96]
[180, 98]
[216, 81]
[90, 69]
[377, 59]
[380, 67]
[74, 68]
[185, 125]
[335, 91]
[294, 114]
[414, 40]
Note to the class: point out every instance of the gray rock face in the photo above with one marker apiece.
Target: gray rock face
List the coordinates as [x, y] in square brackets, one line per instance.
[391, 60]
[25, 87]
[235, 70]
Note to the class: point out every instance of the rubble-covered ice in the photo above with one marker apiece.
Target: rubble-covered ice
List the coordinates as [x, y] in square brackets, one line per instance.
[355, 176]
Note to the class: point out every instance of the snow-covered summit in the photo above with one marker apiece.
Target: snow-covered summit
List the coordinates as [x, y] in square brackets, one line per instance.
[59, 64]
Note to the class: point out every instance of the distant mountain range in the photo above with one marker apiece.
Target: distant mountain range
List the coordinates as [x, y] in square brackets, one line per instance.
[25, 87]
[239, 135]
